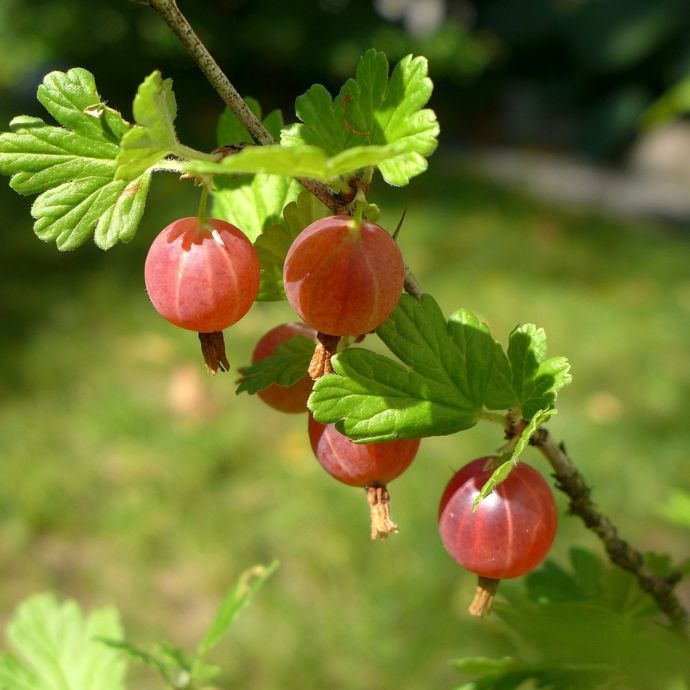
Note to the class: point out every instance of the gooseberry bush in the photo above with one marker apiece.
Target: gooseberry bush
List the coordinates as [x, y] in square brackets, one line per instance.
[291, 218]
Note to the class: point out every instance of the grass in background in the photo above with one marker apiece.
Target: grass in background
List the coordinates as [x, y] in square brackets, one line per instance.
[129, 476]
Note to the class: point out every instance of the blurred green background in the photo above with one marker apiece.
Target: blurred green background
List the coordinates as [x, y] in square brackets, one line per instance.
[128, 476]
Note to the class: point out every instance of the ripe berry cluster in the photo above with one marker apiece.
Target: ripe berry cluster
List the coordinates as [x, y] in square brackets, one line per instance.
[343, 276]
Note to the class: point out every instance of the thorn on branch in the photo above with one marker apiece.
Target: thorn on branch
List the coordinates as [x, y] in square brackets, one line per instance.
[400, 224]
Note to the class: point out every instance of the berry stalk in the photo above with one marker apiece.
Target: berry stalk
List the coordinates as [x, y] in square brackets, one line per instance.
[484, 595]
[379, 501]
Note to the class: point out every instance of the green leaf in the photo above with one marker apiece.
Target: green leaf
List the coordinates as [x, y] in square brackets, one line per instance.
[449, 371]
[510, 460]
[253, 204]
[552, 583]
[634, 651]
[508, 673]
[56, 648]
[494, 674]
[286, 366]
[525, 379]
[446, 376]
[235, 601]
[72, 99]
[180, 670]
[72, 167]
[375, 110]
[154, 136]
[110, 209]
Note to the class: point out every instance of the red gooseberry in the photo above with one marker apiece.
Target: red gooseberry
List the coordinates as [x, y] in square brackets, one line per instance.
[512, 529]
[343, 276]
[371, 466]
[203, 277]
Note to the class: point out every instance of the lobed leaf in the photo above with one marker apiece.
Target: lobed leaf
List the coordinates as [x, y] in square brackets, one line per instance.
[553, 583]
[625, 648]
[56, 648]
[72, 99]
[111, 209]
[449, 372]
[376, 111]
[154, 135]
[40, 156]
[438, 389]
[524, 378]
[73, 167]
[253, 203]
[582, 627]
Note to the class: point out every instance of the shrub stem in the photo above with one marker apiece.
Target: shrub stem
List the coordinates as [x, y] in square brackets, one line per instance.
[572, 483]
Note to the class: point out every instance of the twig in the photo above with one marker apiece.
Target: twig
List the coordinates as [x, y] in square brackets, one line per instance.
[571, 482]
[174, 18]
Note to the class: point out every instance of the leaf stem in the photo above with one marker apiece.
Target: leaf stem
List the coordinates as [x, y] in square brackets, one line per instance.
[484, 596]
[379, 510]
[572, 483]
[495, 417]
[192, 154]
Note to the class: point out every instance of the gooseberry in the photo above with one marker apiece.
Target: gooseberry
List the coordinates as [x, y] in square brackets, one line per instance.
[203, 277]
[508, 535]
[284, 398]
[343, 276]
[371, 466]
